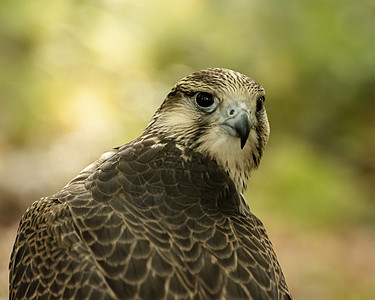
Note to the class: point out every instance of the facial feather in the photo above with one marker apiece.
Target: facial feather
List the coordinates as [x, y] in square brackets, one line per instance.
[180, 118]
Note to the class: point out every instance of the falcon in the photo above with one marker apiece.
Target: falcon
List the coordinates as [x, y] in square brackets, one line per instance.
[163, 216]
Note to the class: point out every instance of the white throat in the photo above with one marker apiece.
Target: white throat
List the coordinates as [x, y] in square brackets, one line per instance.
[226, 150]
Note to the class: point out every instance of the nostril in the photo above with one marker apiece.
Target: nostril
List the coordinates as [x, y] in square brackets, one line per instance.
[231, 112]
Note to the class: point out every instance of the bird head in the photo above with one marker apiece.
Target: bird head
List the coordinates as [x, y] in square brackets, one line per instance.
[220, 113]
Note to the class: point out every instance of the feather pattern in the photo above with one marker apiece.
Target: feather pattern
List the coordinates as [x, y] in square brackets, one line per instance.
[153, 219]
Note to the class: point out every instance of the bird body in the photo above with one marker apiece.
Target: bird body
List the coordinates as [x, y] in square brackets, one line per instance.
[163, 216]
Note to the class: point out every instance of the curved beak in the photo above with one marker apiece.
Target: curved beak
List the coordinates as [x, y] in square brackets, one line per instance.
[239, 126]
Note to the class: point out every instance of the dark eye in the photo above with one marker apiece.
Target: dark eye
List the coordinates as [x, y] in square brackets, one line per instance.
[260, 103]
[204, 99]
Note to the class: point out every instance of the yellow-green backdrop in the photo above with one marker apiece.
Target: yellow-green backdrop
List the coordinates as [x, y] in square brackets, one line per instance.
[80, 77]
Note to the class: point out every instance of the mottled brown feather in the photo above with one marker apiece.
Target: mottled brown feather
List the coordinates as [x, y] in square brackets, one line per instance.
[149, 220]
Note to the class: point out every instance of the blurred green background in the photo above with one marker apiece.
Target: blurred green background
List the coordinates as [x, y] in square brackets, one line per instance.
[80, 77]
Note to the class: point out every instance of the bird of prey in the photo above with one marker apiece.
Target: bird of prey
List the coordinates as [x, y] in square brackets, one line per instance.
[163, 216]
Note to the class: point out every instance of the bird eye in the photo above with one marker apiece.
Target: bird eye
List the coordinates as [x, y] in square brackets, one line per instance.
[204, 99]
[260, 103]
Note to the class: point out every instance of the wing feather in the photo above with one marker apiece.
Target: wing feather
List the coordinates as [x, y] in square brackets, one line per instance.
[145, 222]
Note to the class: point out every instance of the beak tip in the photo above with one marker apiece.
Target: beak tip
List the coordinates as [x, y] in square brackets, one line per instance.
[239, 126]
[243, 142]
[243, 129]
